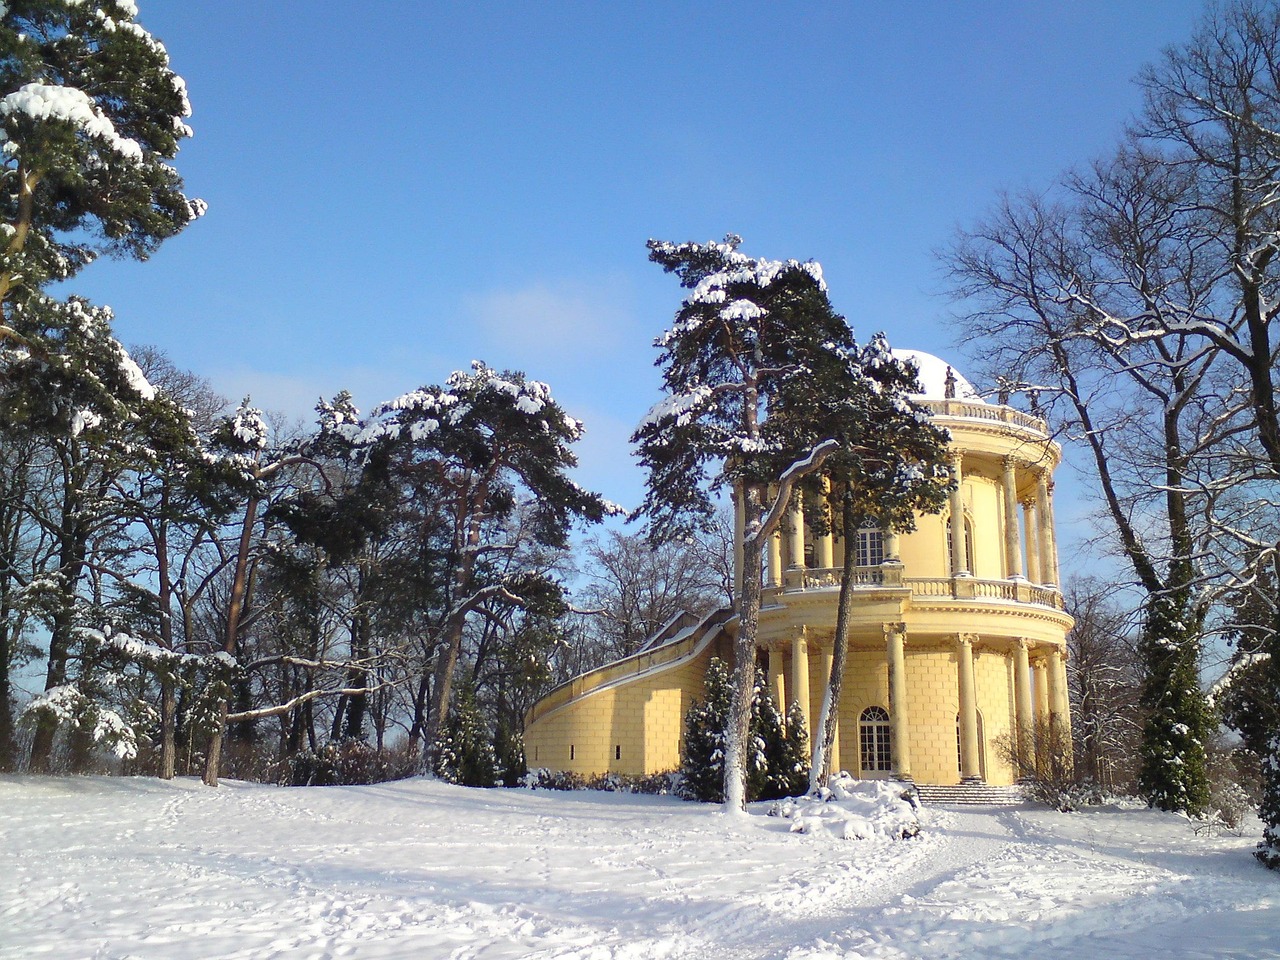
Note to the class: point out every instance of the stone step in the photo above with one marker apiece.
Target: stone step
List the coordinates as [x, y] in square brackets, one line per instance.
[969, 793]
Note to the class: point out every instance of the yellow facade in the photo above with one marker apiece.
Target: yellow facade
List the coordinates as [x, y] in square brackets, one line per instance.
[963, 615]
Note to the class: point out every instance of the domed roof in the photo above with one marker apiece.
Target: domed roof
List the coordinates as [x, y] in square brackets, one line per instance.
[933, 377]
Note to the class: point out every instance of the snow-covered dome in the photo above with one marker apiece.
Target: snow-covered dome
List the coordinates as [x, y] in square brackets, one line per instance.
[933, 377]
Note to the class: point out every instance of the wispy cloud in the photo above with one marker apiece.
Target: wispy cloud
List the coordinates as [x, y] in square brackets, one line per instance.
[550, 322]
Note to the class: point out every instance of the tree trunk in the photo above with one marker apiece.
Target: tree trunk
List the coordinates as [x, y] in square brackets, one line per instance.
[239, 588]
[442, 687]
[168, 727]
[738, 722]
[829, 719]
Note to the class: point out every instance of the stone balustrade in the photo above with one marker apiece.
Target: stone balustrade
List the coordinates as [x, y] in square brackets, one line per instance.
[889, 576]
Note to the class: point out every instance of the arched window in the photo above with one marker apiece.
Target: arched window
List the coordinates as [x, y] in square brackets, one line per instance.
[968, 541]
[873, 737]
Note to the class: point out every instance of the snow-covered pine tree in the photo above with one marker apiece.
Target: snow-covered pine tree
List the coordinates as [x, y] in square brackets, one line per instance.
[85, 406]
[890, 466]
[778, 760]
[796, 755]
[1269, 810]
[747, 339]
[702, 766]
[464, 751]
[480, 449]
[780, 769]
[90, 115]
[1174, 773]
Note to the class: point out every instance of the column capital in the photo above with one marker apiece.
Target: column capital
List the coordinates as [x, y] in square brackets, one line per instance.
[1011, 462]
[1022, 643]
[894, 628]
[966, 639]
[955, 457]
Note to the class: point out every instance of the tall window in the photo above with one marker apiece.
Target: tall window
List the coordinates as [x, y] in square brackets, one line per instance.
[982, 753]
[870, 547]
[873, 737]
[968, 542]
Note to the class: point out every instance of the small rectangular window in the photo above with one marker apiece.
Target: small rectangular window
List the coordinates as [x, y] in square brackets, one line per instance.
[571, 751]
[617, 752]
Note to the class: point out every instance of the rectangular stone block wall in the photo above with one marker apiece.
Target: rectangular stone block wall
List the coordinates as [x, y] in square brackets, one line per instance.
[635, 728]
[993, 678]
[932, 705]
[866, 685]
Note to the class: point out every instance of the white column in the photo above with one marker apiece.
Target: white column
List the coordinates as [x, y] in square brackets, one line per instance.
[800, 678]
[1040, 672]
[1031, 522]
[1025, 710]
[775, 559]
[895, 635]
[1012, 542]
[777, 680]
[795, 517]
[1048, 563]
[970, 765]
[825, 547]
[1059, 699]
[1053, 534]
[959, 560]
[891, 546]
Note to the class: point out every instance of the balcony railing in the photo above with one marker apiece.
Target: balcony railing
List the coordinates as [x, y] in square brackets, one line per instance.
[985, 411]
[888, 576]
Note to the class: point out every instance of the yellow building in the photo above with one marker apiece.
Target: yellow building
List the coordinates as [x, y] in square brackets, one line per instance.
[957, 643]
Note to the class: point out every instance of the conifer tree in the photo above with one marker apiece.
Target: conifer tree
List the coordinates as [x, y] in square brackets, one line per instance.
[777, 759]
[90, 115]
[702, 765]
[464, 752]
[796, 751]
[487, 450]
[890, 466]
[780, 764]
[747, 340]
[1269, 810]
[1174, 773]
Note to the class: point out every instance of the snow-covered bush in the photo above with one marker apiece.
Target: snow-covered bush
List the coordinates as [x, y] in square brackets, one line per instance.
[652, 784]
[345, 762]
[854, 810]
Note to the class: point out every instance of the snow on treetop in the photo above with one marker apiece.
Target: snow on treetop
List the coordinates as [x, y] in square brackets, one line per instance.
[452, 403]
[248, 426]
[43, 101]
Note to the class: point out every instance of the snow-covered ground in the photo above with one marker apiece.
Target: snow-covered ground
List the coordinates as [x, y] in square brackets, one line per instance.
[106, 868]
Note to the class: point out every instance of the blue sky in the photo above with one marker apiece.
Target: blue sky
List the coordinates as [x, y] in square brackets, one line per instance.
[395, 189]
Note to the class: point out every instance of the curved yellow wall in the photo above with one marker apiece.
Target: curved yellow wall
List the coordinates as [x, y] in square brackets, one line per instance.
[628, 717]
